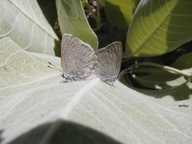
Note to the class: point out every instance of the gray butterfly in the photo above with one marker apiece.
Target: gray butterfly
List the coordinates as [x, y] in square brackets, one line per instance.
[77, 58]
[108, 62]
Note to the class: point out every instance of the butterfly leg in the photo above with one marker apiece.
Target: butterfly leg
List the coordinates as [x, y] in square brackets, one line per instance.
[72, 79]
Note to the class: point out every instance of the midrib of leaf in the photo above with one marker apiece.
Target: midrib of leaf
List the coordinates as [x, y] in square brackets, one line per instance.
[154, 31]
[31, 19]
[68, 108]
[77, 97]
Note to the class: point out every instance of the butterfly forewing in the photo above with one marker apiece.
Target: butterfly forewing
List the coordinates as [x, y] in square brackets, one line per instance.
[109, 62]
[77, 58]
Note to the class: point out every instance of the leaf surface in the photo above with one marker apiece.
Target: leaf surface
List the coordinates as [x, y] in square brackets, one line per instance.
[120, 13]
[33, 99]
[72, 20]
[24, 24]
[159, 27]
[184, 62]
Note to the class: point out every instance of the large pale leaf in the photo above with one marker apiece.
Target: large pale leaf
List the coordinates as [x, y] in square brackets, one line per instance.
[35, 107]
[72, 20]
[158, 27]
[24, 24]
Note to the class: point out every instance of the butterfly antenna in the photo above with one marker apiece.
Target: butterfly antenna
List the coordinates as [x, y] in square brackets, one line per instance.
[54, 67]
[124, 71]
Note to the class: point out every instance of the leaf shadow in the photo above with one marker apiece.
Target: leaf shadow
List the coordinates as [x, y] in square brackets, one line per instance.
[116, 14]
[1, 138]
[178, 93]
[66, 132]
[57, 48]
[49, 11]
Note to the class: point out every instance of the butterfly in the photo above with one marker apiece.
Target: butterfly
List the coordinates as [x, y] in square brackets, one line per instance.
[108, 62]
[77, 58]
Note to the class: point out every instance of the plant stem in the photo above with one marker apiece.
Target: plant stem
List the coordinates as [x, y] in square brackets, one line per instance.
[96, 15]
[167, 68]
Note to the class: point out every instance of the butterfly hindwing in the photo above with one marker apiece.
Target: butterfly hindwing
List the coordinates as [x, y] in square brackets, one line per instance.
[109, 62]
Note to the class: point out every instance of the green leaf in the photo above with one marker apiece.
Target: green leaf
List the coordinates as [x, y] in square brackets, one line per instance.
[84, 2]
[183, 62]
[120, 13]
[159, 27]
[24, 24]
[72, 20]
[102, 2]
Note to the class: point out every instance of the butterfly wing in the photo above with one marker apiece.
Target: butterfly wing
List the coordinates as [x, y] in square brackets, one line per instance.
[77, 57]
[109, 62]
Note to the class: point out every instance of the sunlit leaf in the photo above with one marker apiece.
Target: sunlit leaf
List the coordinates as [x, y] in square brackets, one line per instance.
[24, 24]
[159, 27]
